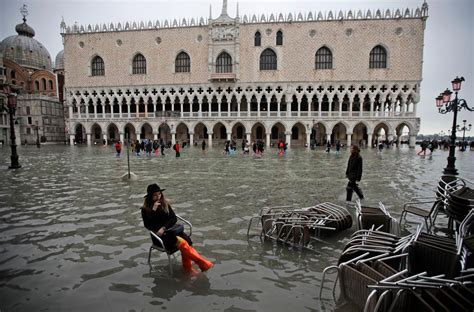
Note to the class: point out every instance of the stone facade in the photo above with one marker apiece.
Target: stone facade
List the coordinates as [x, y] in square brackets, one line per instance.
[295, 102]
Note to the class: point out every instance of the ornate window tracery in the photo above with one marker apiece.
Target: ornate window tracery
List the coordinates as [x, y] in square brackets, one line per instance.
[324, 58]
[182, 63]
[268, 60]
[139, 64]
[97, 66]
[378, 57]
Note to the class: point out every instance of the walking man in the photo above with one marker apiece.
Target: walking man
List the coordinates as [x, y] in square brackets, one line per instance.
[354, 173]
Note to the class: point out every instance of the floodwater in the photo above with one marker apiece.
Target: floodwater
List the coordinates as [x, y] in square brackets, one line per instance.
[72, 238]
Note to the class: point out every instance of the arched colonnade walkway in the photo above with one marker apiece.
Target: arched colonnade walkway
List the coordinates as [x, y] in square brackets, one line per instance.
[296, 133]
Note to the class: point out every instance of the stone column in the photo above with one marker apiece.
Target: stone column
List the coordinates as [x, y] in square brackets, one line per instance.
[103, 110]
[349, 139]
[209, 135]
[137, 107]
[228, 136]
[247, 135]
[268, 139]
[87, 111]
[89, 142]
[104, 137]
[288, 138]
[191, 139]
[328, 137]
[146, 110]
[95, 111]
[412, 142]
[71, 139]
[173, 138]
[308, 138]
[70, 113]
[128, 110]
[122, 138]
[369, 140]
[120, 110]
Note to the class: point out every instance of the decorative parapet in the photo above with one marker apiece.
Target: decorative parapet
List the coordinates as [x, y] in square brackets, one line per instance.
[254, 19]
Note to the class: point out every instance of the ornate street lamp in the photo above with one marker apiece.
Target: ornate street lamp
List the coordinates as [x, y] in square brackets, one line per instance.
[464, 128]
[11, 108]
[445, 105]
[38, 145]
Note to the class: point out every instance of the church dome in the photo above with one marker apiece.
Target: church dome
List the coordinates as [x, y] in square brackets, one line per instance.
[24, 50]
[59, 61]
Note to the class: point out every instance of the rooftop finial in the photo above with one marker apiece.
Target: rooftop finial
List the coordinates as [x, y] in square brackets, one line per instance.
[210, 12]
[224, 7]
[24, 12]
[237, 9]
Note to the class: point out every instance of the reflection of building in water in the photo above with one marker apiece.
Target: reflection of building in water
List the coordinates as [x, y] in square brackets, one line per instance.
[337, 76]
[27, 68]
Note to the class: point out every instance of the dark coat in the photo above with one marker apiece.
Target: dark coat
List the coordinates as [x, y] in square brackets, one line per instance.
[154, 220]
[354, 168]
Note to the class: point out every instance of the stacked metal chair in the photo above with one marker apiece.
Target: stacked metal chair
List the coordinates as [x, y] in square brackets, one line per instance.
[376, 216]
[299, 227]
[380, 271]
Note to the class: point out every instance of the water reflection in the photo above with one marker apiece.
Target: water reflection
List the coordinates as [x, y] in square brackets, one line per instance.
[72, 239]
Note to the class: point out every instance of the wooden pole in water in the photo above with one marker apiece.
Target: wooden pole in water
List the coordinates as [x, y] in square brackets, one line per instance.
[128, 157]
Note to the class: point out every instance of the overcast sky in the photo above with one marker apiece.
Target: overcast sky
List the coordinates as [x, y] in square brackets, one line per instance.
[449, 34]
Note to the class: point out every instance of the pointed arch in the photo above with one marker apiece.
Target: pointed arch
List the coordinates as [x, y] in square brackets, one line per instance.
[139, 64]
[224, 63]
[323, 58]
[182, 63]
[97, 66]
[378, 57]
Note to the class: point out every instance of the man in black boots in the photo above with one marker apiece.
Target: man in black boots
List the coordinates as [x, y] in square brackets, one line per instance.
[354, 173]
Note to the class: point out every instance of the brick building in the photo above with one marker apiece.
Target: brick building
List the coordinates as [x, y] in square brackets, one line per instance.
[348, 76]
[27, 68]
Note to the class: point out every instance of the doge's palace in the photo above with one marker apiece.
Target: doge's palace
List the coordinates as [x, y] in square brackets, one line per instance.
[352, 76]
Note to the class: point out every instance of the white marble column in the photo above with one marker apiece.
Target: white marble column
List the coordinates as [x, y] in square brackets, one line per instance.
[247, 135]
[122, 138]
[191, 139]
[228, 136]
[155, 135]
[349, 139]
[369, 140]
[209, 135]
[288, 138]
[308, 138]
[268, 139]
[173, 138]
[104, 137]
[412, 142]
[70, 112]
[88, 135]
[71, 139]
[328, 137]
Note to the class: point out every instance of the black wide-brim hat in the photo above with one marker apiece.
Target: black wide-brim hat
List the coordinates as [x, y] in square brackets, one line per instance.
[153, 188]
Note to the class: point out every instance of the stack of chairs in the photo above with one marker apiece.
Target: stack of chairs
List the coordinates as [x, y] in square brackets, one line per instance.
[299, 227]
[460, 199]
[376, 216]
[380, 271]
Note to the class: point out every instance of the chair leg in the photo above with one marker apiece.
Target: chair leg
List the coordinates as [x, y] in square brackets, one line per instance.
[149, 255]
[170, 264]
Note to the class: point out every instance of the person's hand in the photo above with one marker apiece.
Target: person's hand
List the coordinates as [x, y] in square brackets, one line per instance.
[156, 205]
[160, 231]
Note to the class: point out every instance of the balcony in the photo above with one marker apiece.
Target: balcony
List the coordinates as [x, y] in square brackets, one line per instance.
[223, 77]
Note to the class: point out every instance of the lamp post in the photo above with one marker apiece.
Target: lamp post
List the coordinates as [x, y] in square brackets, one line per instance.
[38, 145]
[464, 129]
[10, 108]
[445, 105]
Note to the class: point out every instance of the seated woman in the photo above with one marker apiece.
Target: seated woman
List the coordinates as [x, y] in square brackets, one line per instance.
[159, 218]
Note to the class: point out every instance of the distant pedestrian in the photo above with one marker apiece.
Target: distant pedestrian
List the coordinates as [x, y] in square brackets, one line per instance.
[354, 173]
[177, 149]
[328, 146]
[423, 146]
[162, 147]
[338, 147]
[203, 146]
[118, 148]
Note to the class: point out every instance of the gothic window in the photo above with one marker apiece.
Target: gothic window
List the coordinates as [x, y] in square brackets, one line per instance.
[268, 60]
[224, 63]
[378, 57]
[279, 40]
[43, 83]
[182, 63]
[50, 85]
[37, 85]
[97, 65]
[323, 58]
[258, 39]
[13, 74]
[139, 64]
